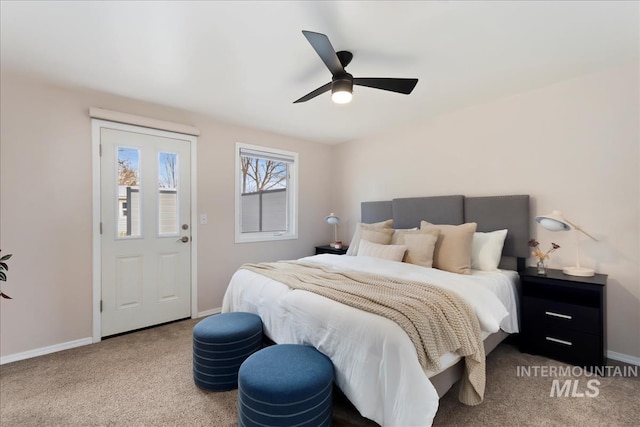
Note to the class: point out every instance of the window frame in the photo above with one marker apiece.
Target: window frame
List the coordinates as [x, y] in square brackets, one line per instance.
[292, 197]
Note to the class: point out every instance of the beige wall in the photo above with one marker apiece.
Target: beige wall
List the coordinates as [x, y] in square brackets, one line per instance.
[45, 207]
[572, 146]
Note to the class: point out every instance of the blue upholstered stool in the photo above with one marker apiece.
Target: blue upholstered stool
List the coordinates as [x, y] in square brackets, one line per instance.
[220, 344]
[285, 385]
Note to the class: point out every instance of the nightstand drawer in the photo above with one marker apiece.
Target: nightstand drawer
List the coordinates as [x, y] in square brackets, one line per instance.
[546, 314]
[566, 345]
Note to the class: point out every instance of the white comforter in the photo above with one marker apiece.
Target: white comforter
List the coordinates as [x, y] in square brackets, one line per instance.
[375, 361]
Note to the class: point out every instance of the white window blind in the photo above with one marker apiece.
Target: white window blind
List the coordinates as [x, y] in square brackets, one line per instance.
[267, 155]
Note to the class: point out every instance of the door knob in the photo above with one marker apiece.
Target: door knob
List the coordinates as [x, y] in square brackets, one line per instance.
[183, 239]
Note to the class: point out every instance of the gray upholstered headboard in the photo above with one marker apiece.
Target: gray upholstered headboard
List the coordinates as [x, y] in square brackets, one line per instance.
[490, 213]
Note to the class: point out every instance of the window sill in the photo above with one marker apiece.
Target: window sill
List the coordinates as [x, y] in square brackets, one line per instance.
[264, 237]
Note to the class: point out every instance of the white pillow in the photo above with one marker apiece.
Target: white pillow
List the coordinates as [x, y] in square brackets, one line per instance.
[486, 250]
[390, 252]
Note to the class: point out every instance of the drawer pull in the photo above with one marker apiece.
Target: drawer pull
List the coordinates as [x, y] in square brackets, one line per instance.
[559, 341]
[564, 316]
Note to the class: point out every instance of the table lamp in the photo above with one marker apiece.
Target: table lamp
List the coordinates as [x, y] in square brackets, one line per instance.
[332, 219]
[555, 221]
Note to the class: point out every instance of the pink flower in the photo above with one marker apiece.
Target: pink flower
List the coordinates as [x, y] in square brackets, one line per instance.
[538, 253]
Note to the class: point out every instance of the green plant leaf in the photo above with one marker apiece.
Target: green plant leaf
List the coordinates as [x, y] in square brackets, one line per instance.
[3, 265]
[3, 276]
[6, 257]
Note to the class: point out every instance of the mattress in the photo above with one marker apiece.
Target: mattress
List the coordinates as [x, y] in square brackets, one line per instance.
[375, 362]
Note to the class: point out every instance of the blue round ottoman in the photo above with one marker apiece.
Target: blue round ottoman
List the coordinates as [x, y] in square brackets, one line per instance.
[220, 344]
[285, 385]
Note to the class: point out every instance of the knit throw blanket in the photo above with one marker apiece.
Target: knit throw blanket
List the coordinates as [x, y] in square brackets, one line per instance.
[436, 320]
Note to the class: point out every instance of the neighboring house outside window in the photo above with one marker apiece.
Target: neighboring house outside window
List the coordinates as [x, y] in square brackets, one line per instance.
[129, 219]
[266, 194]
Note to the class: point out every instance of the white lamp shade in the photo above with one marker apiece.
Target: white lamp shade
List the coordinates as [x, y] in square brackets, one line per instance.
[332, 219]
[553, 222]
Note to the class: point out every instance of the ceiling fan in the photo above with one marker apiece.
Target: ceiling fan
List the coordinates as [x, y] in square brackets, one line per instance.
[341, 84]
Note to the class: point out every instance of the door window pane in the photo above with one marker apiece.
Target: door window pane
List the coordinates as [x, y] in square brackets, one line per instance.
[168, 194]
[128, 203]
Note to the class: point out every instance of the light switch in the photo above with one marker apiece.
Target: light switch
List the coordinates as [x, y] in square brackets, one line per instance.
[203, 218]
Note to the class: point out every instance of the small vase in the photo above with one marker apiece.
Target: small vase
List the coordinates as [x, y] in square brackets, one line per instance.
[542, 270]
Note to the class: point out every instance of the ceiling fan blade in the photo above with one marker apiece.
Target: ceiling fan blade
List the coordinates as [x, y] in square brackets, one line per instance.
[322, 89]
[394, 85]
[327, 53]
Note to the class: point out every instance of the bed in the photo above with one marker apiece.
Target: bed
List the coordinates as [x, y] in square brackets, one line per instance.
[375, 362]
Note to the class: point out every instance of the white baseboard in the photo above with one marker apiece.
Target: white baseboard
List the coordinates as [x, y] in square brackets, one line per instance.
[45, 350]
[623, 358]
[72, 344]
[632, 360]
[209, 312]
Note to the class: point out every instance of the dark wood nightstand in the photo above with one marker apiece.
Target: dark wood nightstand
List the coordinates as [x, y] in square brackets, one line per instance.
[326, 249]
[563, 317]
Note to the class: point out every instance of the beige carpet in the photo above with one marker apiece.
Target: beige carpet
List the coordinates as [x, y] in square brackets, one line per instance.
[145, 379]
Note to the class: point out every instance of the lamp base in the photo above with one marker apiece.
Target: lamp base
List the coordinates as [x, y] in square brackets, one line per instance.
[579, 271]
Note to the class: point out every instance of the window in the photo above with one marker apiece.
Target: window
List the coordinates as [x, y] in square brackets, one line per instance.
[168, 194]
[128, 192]
[266, 195]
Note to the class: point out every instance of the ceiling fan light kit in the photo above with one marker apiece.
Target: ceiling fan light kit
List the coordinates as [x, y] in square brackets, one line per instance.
[342, 90]
[341, 84]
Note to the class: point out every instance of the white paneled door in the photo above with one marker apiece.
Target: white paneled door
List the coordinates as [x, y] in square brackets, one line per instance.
[146, 231]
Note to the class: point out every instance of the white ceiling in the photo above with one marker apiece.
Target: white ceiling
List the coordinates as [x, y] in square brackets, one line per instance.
[246, 62]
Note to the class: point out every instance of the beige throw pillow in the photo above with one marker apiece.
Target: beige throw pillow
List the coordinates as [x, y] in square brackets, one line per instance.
[390, 252]
[453, 249]
[357, 234]
[396, 239]
[381, 236]
[420, 249]
[420, 245]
